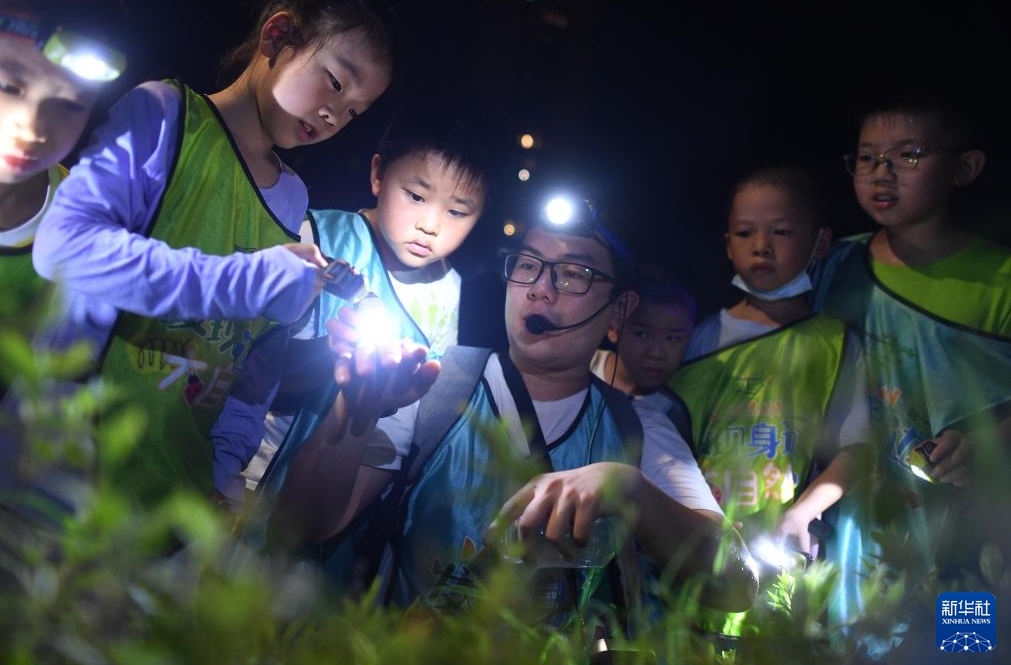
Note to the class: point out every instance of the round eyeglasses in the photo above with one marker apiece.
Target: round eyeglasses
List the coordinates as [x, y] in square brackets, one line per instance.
[902, 158]
[573, 278]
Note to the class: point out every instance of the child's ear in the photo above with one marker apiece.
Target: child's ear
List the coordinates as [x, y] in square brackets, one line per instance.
[278, 31]
[823, 243]
[970, 165]
[376, 174]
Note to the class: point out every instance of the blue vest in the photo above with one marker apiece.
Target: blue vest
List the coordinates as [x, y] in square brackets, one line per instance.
[925, 374]
[346, 235]
[467, 481]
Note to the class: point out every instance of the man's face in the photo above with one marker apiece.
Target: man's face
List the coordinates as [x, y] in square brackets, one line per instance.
[559, 349]
[43, 111]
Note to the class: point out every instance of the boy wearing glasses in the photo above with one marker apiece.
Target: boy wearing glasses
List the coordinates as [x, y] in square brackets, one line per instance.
[564, 287]
[932, 303]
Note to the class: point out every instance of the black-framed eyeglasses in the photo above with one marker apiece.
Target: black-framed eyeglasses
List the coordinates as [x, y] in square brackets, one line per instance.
[903, 158]
[566, 277]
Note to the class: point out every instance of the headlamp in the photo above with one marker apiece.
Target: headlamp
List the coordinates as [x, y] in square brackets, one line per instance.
[85, 58]
[566, 213]
[578, 216]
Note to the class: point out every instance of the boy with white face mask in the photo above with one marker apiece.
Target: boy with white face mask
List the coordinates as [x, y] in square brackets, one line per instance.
[762, 438]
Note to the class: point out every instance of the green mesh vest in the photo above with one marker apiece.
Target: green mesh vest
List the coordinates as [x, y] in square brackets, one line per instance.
[180, 372]
[25, 292]
[758, 408]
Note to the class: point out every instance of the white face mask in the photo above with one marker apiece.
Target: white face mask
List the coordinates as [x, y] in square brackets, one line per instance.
[797, 286]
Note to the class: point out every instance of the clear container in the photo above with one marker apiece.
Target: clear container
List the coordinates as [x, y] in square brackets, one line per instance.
[600, 549]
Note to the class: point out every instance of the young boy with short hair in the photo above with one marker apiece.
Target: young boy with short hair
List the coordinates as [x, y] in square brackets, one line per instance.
[774, 389]
[430, 176]
[650, 343]
[932, 303]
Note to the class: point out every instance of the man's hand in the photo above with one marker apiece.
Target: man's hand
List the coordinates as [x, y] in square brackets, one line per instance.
[568, 501]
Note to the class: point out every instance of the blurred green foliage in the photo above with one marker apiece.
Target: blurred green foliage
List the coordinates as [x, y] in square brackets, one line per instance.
[91, 587]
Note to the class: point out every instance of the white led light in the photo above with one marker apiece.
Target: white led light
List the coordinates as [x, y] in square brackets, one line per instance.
[559, 211]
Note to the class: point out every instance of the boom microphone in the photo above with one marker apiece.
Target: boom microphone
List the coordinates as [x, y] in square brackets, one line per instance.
[538, 324]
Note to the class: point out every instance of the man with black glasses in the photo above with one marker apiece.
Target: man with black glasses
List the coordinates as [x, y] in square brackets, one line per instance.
[537, 444]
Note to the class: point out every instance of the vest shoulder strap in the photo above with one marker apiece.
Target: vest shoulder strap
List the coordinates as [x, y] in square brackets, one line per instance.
[444, 403]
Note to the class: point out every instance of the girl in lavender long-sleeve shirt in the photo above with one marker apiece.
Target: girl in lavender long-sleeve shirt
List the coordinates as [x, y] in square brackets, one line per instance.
[175, 236]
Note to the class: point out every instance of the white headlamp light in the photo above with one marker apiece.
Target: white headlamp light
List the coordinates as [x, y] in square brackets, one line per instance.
[85, 58]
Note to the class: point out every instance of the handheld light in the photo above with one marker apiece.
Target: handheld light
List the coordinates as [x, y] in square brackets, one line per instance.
[779, 555]
[919, 460]
[374, 323]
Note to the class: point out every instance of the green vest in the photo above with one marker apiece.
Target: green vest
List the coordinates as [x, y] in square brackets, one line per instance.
[758, 409]
[180, 372]
[25, 291]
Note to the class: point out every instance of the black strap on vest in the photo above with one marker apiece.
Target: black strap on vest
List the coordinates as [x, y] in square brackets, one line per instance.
[525, 407]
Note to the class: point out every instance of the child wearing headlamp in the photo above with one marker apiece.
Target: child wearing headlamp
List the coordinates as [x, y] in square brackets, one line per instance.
[46, 100]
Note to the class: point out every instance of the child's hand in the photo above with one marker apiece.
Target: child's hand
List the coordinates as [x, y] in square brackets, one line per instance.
[952, 458]
[310, 253]
[375, 378]
[307, 252]
[794, 523]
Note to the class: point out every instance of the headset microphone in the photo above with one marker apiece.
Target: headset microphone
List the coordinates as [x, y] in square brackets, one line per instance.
[538, 324]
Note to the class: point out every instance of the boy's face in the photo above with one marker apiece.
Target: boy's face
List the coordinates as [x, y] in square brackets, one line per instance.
[424, 210]
[559, 350]
[900, 197]
[652, 344]
[43, 111]
[770, 240]
[308, 95]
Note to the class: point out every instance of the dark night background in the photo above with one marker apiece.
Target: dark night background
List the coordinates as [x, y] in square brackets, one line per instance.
[656, 106]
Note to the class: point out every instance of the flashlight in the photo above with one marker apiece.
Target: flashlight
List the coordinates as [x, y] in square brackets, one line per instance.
[341, 279]
[919, 460]
[780, 555]
[374, 322]
[83, 57]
